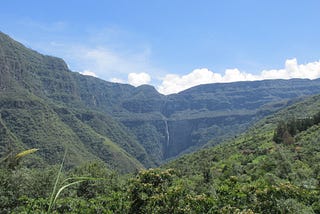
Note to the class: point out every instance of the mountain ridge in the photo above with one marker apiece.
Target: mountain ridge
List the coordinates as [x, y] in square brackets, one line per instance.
[138, 124]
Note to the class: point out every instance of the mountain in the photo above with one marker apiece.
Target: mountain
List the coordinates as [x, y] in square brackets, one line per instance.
[168, 126]
[254, 172]
[41, 106]
[218, 111]
[45, 105]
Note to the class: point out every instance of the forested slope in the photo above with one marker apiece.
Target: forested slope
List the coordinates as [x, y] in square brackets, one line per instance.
[41, 107]
[254, 172]
[45, 105]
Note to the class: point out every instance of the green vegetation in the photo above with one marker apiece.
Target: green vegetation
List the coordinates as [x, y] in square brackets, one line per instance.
[248, 174]
[113, 131]
[253, 172]
[285, 131]
[43, 103]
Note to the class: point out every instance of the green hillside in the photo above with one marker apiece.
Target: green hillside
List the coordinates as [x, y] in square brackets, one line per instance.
[251, 173]
[40, 107]
[254, 172]
[44, 104]
[260, 143]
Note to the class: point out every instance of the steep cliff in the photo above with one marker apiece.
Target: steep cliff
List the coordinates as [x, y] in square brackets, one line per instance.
[43, 104]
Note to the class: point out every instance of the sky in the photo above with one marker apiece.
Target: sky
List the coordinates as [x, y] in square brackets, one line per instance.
[172, 44]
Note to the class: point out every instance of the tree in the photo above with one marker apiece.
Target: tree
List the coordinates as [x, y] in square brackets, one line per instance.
[287, 138]
[279, 132]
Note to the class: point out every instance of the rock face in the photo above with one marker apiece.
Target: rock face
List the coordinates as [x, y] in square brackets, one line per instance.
[208, 114]
[119, 123]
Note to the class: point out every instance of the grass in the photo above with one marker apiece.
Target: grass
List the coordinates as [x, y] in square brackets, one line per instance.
[65, 184]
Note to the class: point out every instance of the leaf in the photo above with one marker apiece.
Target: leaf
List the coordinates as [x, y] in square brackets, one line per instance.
[24, 153]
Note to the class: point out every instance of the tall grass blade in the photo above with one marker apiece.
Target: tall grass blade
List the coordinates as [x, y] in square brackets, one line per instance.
[63, 187]
[79, 180]
[55, 194]
[56, 183]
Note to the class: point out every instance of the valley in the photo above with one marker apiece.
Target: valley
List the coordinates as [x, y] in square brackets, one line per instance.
[208, 149]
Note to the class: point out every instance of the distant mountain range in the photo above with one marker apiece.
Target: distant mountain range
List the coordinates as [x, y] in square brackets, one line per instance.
[44, 105]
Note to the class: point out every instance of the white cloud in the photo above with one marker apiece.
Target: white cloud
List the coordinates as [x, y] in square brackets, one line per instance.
[173, 83]
[137, 79]
[117, 80]
[88, 73]
[293, 70]
[233, 75]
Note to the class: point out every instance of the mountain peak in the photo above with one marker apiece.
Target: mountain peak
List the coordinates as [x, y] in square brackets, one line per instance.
[14, 54]
[145, 125]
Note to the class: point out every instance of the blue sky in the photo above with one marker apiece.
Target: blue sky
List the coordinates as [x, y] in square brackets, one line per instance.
[172, 44]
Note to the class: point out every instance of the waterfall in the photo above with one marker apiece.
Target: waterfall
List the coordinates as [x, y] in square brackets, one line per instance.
[167, 132]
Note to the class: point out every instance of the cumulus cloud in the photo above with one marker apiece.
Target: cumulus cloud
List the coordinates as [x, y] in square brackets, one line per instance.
[88, 73]
[173, 83]
[137, 79]
[117, 80]
[293, 70]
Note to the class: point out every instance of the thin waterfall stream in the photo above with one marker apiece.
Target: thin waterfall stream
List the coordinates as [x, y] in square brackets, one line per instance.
[167, 132]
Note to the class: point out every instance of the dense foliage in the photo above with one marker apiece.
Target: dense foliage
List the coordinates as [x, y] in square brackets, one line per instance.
[249, 174]
[285, 131]
[254, 172]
